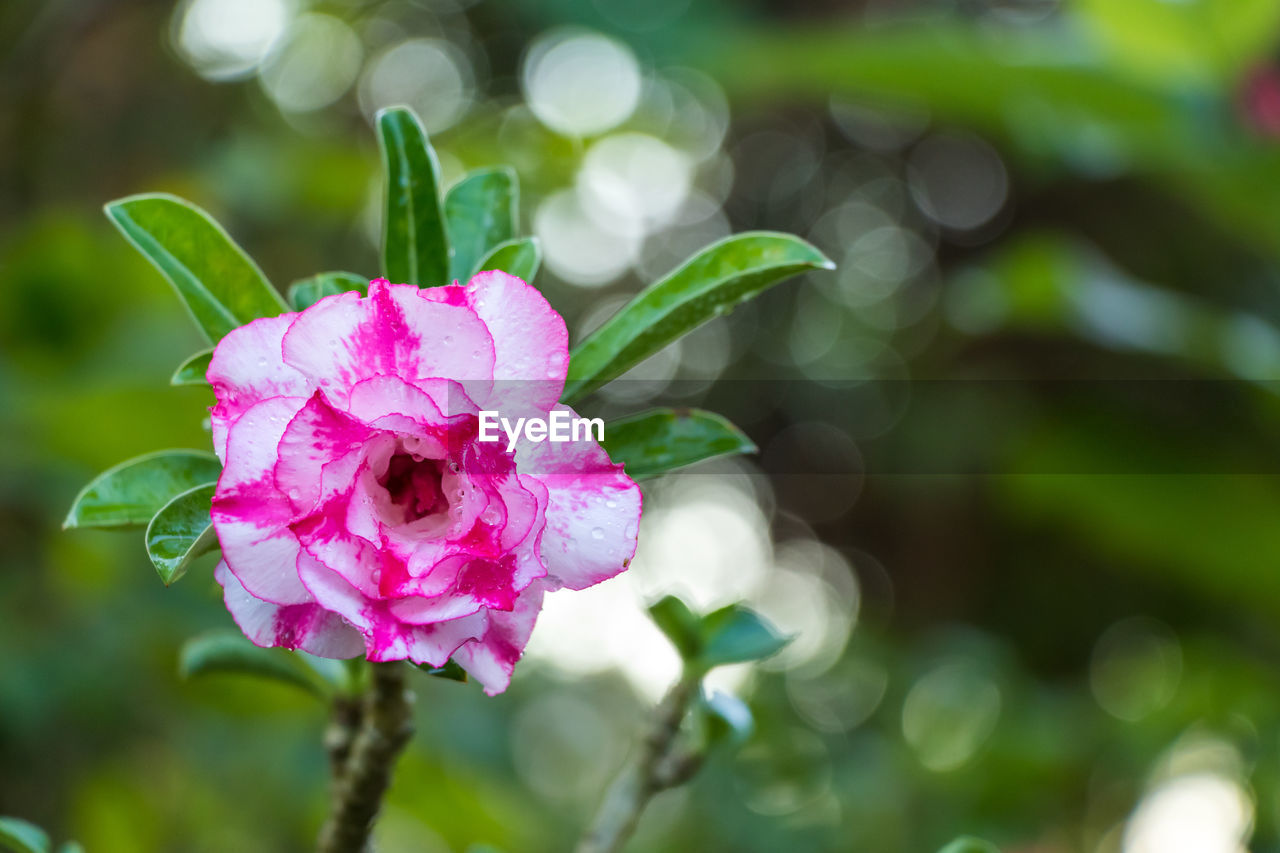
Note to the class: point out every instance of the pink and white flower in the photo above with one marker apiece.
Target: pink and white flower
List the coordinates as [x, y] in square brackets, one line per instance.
[357, 512]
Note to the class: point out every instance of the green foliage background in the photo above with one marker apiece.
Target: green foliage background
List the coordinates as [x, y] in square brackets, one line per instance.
[1100, 449]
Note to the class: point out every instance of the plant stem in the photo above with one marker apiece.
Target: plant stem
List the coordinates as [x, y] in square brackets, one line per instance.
[362, 776]
[344, 725]
[657, 765]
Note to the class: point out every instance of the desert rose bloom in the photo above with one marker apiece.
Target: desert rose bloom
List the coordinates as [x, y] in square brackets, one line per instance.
[358, 512]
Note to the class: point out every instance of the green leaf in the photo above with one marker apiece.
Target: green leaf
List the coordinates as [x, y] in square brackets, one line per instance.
[735, 634]
[341, 676]
[22, 837]
[480, 213]
[220, 285]
[681, 625]
[308, 291]
[231, 652]
[131, 493]
[414, 249]
[968, 844]
[181, 531]
[520, 258]
[711, 282]
[661, 440]
[71, 847]
[450, 670]
[728, 719]
[192, 371]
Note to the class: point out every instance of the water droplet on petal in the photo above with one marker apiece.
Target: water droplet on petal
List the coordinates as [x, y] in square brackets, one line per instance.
[597, 533]
[448, 340]
[611, 504]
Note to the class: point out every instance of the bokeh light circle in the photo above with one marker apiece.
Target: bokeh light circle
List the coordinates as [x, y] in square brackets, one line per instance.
[227, 39]
[580, 83]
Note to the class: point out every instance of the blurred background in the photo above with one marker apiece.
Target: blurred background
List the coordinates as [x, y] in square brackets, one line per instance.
[1017, 495]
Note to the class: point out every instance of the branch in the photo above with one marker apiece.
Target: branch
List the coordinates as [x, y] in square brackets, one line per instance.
[344, 725]
[658, 765]
[366, 773]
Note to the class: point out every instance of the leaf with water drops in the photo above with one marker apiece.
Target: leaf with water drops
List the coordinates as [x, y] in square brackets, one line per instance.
[181, 531]
[308, 291]
[129, 494]
[520, 258]
[414, 246]
[662, 440]
[480, 214]
[450, 671]
[220, 285]
[710, 283]
[193, 370]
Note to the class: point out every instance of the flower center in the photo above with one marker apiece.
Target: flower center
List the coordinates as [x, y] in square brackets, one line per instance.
[415, 485]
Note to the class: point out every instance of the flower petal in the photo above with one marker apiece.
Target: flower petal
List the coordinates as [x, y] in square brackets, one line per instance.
[318, 435]
[425, 403]
[250, 516]
[247, 367]
[492, 658]
[530, 341]
[395, 331]
[308, 627]
[385, 636]
[593, 510]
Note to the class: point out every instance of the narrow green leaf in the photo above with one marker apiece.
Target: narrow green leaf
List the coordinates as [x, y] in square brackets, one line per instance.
[131, 493]
[681, 625]
[735, 634]
[192, 371]
[21, 836]
[968, 844]
[308, 291]
[231, 652]
[181, 531]
[520, 258]
[661, 440]
[480, 213]
[220, 285]
[450, 670]
[710, 283]
[414, 249]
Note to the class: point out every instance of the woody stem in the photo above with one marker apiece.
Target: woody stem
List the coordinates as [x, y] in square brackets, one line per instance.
[364, 744]
[657, 765]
